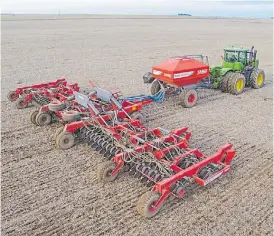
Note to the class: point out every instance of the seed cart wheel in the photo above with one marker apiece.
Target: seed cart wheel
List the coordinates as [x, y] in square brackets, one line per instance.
[104, 171]
[33, 116]
[58, 131]
[56, 105]
[257, 78]
[138, 116]
[236, 84]
[146, 203]
[19, 103]
[148, 78]
[224, 83]
[155, 87]
[71, 116]
[188, 98]
[64, 140]
[43, 119]
[11, 96]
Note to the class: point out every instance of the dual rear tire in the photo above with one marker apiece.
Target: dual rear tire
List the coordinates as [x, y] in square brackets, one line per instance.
[235, 83]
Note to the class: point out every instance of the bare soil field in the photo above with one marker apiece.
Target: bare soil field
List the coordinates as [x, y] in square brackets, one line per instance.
[46, 191]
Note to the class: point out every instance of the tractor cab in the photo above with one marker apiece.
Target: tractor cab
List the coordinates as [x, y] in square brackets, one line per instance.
[238, 58]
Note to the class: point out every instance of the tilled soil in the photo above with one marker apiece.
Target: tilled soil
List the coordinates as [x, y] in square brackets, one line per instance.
[46, 191]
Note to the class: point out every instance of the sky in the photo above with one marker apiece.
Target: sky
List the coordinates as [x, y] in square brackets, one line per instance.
[260, 9]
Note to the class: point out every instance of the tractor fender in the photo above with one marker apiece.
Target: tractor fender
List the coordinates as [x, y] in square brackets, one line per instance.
[224, 71]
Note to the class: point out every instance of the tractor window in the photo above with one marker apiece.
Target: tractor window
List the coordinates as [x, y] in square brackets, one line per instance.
[242, 57]
[231, 56]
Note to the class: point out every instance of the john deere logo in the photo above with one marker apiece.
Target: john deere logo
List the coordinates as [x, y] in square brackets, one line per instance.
[200, 72]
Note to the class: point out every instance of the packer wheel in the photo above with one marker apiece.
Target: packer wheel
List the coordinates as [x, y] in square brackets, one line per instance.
[20, 103]
[33, 116]
[43, 119]
[11, 96]
[104, 171]
[58, 131]
[64, 140]
[155, 87]
[146, 203]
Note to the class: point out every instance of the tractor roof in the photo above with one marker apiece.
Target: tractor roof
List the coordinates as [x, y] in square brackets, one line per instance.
[236, 49]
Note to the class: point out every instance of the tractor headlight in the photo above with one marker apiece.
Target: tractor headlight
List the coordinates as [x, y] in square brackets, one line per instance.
[183, 74]
[157, 72]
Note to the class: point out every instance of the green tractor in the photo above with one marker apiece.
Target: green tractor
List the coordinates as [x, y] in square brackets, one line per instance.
[239, 70]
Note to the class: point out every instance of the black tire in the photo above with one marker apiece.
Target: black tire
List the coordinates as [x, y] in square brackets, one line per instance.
[11, 96]
[58, 131]
[188, 98]
[138, 116]
[19, 103]
[56, 106]
[104, 172]
[257, 78]
[225, 79]
[65, 140]
[233, 84]
[33, 116]
[148, 78]
[145, 203]
[43, 119]
[71, 116]
[155, 87]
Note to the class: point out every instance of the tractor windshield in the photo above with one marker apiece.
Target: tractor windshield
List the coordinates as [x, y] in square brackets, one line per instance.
[231, 56]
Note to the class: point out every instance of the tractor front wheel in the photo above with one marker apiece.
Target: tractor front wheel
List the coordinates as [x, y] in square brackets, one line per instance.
[257, 78]
[155, 87]
[188, 98]
[236, 84]
[145, 205]
[104, 172]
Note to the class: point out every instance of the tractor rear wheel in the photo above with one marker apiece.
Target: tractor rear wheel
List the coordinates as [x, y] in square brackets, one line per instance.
[155, 87]
[224, 83]
[236, 84]
[188, 98]
[104, 171]
[257, 78]
[146, 203]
